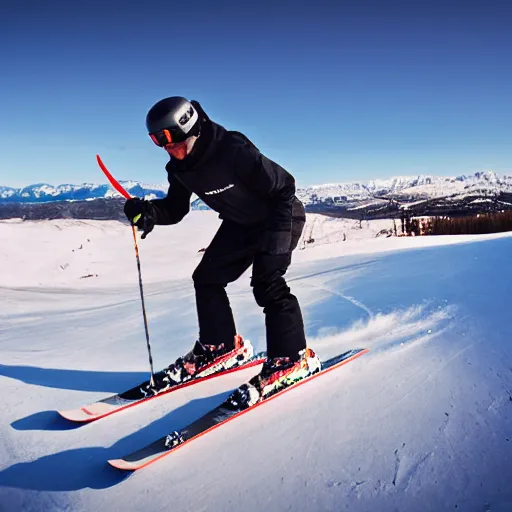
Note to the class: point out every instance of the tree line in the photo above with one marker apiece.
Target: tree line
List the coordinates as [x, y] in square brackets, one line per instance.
[481, 223]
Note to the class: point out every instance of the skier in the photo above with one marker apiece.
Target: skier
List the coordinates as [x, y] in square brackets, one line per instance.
[262, 221]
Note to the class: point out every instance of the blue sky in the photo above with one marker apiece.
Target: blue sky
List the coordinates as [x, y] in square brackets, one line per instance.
[333, 91]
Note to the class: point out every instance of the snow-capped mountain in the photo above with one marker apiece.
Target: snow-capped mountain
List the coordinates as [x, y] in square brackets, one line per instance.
[401, 188]
[420, 195]
[42, 192]
[408, 188]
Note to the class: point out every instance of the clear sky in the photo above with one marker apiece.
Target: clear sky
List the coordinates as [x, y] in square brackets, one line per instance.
[334, 91]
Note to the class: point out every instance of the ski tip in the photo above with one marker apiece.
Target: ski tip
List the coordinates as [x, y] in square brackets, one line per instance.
[123, 465]
[359, 352]
[76, 416]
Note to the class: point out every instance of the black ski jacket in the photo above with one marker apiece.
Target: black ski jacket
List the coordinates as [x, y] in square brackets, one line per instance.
[228, 172]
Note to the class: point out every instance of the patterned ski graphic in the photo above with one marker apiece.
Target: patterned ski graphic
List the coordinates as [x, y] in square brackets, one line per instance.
[213, 419]
[134, 396]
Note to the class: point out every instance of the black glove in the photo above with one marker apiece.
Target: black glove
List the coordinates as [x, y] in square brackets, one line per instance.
[141, 214]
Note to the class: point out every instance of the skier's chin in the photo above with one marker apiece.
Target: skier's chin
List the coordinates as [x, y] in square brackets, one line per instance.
[182, 149]
[177, 151]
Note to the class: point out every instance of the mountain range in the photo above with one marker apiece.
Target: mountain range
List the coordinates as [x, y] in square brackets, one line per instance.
[423, 194]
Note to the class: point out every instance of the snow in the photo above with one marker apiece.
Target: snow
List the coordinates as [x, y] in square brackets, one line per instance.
[421, 422]
[6, 192]
[482, 201]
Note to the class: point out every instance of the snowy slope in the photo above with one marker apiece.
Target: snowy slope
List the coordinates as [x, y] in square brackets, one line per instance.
[423, 422]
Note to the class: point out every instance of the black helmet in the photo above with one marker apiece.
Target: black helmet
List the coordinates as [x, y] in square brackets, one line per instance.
[172, 119]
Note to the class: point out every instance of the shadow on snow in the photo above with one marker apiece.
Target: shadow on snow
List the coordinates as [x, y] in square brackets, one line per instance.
[82, 468]
[45, 420]
[78, 380]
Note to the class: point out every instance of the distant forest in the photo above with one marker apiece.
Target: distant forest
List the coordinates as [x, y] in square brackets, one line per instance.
[475, 224]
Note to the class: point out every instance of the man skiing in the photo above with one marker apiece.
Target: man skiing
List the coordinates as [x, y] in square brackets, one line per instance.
[262, 221]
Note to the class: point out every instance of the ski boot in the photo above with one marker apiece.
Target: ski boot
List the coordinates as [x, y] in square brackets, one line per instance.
[276, 374]
[201, 361]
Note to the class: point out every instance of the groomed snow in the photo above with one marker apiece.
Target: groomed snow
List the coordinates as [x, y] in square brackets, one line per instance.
[421, 423]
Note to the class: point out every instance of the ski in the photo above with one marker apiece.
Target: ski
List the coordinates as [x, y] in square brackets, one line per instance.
[225, 412]
[135, 395]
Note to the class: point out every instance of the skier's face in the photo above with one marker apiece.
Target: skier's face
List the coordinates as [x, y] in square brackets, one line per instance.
[180, 150]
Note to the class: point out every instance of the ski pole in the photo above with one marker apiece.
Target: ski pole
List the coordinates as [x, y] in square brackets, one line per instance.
[124, 193]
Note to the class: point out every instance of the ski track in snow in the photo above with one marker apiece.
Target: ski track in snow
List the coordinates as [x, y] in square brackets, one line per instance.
[352, 300]
[421, 422]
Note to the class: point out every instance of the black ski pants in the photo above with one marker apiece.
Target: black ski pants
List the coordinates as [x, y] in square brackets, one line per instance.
[232, 251]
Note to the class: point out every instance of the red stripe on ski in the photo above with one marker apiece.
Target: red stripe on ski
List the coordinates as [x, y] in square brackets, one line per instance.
[118, 463]
[175, 388]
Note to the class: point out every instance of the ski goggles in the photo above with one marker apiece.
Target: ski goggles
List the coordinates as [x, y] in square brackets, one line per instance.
[167, 136]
